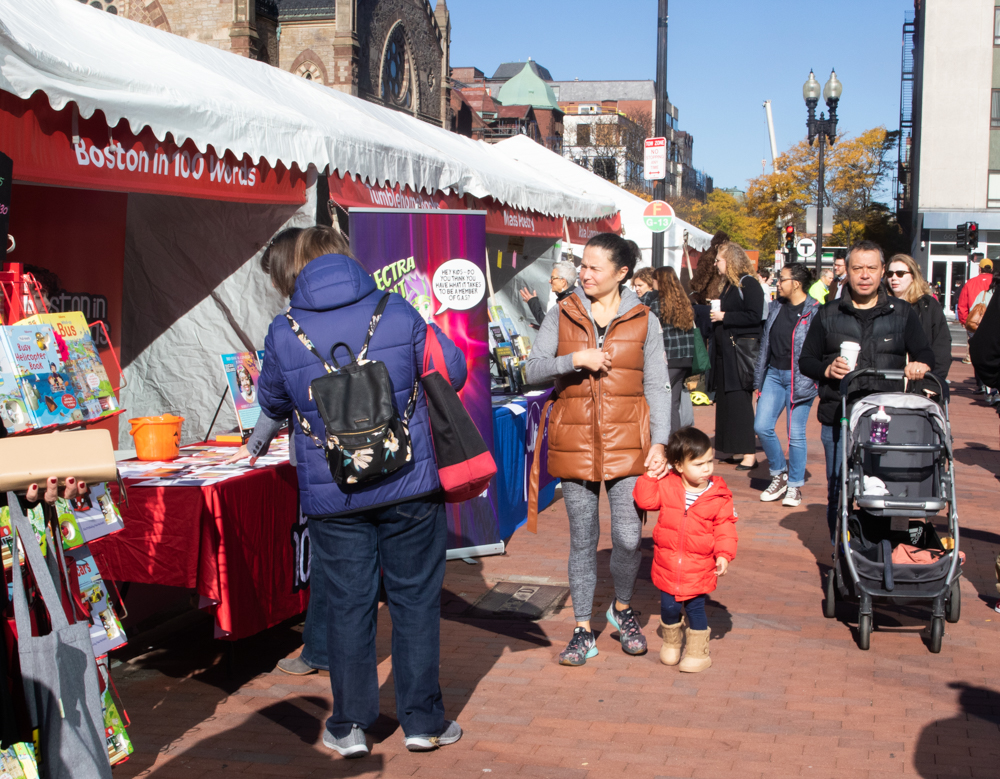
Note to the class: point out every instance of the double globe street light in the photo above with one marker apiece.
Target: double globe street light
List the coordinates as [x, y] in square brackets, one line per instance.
[825, 130]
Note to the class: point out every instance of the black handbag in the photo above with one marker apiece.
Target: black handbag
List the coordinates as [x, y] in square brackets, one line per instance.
[365, 437]
[746, 348]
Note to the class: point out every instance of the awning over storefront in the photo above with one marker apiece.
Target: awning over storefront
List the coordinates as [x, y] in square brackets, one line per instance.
[190, 98]
[572, 176]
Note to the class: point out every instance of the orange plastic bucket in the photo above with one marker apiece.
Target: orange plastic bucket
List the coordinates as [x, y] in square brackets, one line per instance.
[157, 438]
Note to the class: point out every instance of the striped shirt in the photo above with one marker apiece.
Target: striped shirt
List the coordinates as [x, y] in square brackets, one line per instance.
[691, 497]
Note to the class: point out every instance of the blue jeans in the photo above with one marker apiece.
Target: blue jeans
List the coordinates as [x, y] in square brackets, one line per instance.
[670, 610]
[407, 542]
[314, 632]
[833, 450]
[775, 397]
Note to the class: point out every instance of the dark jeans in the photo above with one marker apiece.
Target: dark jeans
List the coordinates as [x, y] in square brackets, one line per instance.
[670, 610]
[833, 452]
[314, 633]
[407, 542]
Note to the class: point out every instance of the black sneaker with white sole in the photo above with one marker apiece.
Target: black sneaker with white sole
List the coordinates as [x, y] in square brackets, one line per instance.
[776, 488]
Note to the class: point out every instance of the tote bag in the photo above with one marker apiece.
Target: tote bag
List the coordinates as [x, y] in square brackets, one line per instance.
[465, 465]
[58, 670]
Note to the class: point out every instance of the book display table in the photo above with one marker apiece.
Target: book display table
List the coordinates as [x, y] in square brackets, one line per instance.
[237, 542]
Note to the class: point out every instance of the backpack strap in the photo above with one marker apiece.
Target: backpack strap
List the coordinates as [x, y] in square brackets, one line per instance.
[376, 318]
[301, 335]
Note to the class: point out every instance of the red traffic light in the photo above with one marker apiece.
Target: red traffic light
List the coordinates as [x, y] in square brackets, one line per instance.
[789, 229]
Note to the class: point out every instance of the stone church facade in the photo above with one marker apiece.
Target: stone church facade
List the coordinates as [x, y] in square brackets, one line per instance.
[391, 52]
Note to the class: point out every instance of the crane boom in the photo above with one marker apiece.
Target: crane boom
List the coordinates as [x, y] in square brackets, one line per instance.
[770, 132]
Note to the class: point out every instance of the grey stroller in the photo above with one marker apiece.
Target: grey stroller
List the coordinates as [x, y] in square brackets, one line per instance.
[910, 481]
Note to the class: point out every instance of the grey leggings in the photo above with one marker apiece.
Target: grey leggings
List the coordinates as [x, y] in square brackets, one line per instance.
[585, 531]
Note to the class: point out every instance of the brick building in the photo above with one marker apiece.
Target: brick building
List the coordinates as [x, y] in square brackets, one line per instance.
[390, 52]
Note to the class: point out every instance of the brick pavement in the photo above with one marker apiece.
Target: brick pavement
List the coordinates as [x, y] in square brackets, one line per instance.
[789, 693]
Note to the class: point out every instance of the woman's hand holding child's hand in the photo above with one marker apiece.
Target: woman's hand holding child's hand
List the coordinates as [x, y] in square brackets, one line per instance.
[656, 462]
[721, 566]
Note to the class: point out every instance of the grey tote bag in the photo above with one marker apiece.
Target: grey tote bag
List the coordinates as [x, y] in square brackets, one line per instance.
[59, 670]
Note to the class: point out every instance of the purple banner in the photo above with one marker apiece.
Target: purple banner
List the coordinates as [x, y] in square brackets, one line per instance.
[436, 260]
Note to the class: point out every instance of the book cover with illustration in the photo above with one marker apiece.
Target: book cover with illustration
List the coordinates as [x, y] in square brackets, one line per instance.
[83, 362]
[106, 631]
[37, 520]
[13, 411]
[46, 386]
[119, 744]
[242, 373]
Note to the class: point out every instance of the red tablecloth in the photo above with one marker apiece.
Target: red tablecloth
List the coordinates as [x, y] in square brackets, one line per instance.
[232, 541]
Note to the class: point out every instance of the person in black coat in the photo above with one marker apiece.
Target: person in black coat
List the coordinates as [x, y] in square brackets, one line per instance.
[889, 333]
[984, 345]
[907, 282]
[738, 322]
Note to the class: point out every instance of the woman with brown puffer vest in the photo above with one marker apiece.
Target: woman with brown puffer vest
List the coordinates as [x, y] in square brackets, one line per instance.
[609, 423]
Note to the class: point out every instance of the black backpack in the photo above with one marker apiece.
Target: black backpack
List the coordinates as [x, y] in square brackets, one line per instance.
[366, 438]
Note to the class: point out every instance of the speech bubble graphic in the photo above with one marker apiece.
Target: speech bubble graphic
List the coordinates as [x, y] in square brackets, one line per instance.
[458, 284]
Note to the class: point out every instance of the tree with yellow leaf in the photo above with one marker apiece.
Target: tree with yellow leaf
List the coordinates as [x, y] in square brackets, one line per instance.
[723, 211]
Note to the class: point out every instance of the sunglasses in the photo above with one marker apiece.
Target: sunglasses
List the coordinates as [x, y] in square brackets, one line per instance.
[897, 273]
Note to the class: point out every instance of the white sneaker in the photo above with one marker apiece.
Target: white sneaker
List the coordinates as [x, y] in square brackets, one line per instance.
[776, 488]
[452, 732]
[354, 744]
[793, 497]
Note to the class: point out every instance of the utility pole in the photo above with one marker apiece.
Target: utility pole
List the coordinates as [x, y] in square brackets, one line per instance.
[660, 120]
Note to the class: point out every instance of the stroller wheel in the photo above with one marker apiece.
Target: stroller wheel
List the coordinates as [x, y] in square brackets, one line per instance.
[830, 604]
[953, 610]
[864, 631]
[937, 633]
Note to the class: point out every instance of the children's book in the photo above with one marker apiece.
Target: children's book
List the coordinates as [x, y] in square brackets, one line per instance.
[87, 517]
[105, 629]
[83, 363]
[46, 386]
[13, 411]
[26, 757]
[37, 520]
[119, 744]
[242, 373]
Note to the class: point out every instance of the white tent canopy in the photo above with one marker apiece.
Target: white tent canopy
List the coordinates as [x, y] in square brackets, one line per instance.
[150, 78]
[558, 169]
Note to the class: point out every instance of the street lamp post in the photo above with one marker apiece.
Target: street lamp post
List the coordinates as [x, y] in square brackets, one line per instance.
[825, 130]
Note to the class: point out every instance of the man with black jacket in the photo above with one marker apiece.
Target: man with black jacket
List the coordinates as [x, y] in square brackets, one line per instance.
[890, 336]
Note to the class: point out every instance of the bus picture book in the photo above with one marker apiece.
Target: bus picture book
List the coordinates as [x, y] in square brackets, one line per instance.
[83, 363]
[105, 630]
[13, 411]
[242, 373]
[47, 387]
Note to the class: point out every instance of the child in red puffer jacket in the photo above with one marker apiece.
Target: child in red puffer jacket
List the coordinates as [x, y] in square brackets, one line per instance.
[694, 542]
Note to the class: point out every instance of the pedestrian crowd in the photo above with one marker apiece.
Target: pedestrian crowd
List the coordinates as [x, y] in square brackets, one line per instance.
[622, 348]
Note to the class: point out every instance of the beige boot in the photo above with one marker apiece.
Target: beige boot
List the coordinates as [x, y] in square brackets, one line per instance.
[672, 635]
[696, 658]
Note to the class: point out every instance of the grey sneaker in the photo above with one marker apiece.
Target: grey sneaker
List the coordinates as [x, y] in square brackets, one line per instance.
[627, 625]
[452, 732]
[580, 648]
[295, 666]
[353, 744]
[776, 488]
[793, 497]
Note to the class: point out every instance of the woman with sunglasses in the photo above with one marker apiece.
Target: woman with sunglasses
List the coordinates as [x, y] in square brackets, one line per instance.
[781, 385]
[907, 282]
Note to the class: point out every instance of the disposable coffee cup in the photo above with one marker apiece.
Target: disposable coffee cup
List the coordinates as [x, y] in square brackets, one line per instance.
[849, 351]
[716, 306]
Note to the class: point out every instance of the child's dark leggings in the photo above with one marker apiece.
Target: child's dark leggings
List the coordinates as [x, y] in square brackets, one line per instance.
[670, 611]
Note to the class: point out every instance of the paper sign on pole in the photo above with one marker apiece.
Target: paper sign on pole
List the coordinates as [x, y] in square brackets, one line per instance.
[654, 159]
[827, 220]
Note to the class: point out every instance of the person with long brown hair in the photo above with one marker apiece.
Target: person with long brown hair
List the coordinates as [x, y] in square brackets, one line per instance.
[907, 282]
[738, 317]
[676, 316]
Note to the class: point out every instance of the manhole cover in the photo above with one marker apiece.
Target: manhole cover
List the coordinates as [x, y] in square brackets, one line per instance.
[517, 600]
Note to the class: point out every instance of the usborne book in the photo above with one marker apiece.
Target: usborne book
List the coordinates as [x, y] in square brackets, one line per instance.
[13, 411]
[87, 517]
[119, 744]
[105, 630]
[47, 389]
[83, 363]
[242, 372]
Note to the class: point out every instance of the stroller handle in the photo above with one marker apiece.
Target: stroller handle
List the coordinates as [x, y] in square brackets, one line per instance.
[892, 375]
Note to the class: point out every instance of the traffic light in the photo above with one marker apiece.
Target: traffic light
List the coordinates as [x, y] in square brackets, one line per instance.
[962, 235]
[972, 236]
[789, 238]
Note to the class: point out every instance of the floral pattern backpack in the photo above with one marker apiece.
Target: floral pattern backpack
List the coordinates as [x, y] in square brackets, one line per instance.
[365, 436]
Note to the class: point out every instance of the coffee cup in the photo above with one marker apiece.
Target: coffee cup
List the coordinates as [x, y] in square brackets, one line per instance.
[849, 351]
[716, 306]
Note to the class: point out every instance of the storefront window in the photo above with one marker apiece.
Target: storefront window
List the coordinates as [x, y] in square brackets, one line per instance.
[993, 190]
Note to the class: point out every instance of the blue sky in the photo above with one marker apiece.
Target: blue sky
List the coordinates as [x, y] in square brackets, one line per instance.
[725, 58]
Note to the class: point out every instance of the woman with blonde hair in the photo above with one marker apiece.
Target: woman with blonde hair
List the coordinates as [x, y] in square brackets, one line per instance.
[907, 283]
[737, 322]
